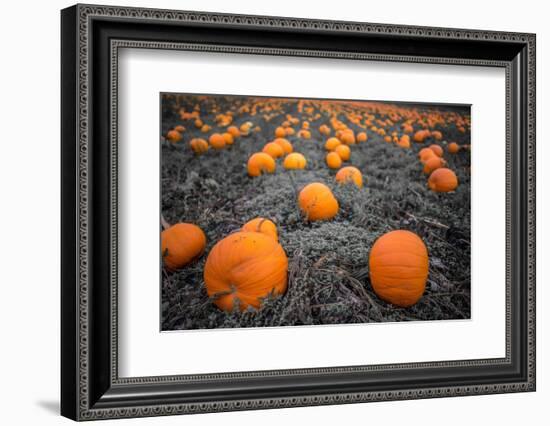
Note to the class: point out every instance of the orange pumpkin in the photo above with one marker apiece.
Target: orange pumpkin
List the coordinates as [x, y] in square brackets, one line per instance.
[343, 151]
[361, 137]
[234, 131]
[229, 138]
[173, 136]
[260, 224]
[180, 128]
[324, 130]
[420, 135]
[180, 244]
[349, 174]
[425, 154]
[332, 143]
[198, 123]
[280, 132]
[206, 128]
[285, 144]
[295, 161]
[437, 150]
[273, 149]
[437, 135]
[304, 134]
[317, 202]
[398, 267]
[433, 163]
[347, 137]
[259, 163]
[244, 268]
[453, 148]
[404, 141]
[333, 160]
[289, 131]
[217, 141]
[443, 180]
[198, 145]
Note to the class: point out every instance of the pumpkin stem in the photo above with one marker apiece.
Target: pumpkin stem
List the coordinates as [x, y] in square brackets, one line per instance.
[163, 222]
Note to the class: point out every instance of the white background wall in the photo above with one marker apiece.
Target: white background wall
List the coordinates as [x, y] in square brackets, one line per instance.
[29, 210]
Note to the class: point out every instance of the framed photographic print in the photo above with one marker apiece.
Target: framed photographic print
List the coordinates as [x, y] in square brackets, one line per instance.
[263, 212]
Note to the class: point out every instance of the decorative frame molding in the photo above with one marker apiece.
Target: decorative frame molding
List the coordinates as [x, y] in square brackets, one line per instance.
[85, 397]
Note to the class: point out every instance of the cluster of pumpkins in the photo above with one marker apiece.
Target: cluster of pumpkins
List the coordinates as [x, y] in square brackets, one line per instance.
[250, 265]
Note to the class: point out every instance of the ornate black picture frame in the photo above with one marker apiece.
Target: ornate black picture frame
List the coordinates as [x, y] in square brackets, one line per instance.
[91, 37]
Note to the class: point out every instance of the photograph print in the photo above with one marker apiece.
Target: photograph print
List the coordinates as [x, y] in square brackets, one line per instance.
[303, 212]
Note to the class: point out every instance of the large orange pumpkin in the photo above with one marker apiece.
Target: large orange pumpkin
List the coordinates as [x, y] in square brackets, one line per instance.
[350, 174]
[244, 268]
[420, 135]
[259, 163]
[294, 161]
[260, 224]
[180, 244]
[317, 202]
[173, 136]
[229, 138]
[443, 180]
[398, 267]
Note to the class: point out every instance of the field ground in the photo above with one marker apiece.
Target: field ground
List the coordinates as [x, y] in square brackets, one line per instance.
[328, 280]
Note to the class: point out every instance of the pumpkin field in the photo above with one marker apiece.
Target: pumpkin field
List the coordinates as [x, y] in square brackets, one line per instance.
[287, 212]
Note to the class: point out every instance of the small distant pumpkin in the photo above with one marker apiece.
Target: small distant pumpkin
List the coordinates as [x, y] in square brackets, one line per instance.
[437, 135]
[263, 225]
[453, 148]
[244, 268]
[198, 123]
[180, 128]
[294, 161]
[234, 131]
[350, 174]
[304, 134]
[180, 244]
[198, 145]
[173, 136]
[206, 128]
[324, 130]
[280, 132]
[260, 163]
[361, 137]
[398, 267]
[343, 151]
[285, 144]
[273, 149]
[333, 160]
[217, 141]
[420, 135]
[443, 180]
[348, 137]
[404, 141]
[437, 150]
[229, 138]
[289, 131]
[332, 143]
[433, 163]
[317, 202]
